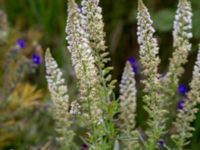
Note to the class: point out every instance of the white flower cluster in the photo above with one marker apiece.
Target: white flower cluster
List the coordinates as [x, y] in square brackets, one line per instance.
[56, 82]
[128, 97]
[81, 52]
[196, 76]
[128, 107]
[94, 24]
[148, 44]
[150, 61]
[59, 96]
[83, 60]
[183, 22]
[75, 108]
[181, 34]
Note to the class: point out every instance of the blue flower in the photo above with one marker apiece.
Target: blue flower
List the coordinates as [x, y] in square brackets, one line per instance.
[36, 59]
[20, 43]
[84, 147]
[80, 8]
[182, 89]
[132, 60]
[161, 142]
[180, 104]
[133, 64]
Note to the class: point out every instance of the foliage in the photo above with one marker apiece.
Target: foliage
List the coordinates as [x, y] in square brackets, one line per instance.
[41, 24]
[21, 102]
[97, 103]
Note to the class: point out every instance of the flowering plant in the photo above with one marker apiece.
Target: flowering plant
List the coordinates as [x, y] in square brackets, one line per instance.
[110, 123]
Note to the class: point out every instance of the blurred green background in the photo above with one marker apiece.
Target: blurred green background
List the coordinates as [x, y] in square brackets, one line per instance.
[48, 17]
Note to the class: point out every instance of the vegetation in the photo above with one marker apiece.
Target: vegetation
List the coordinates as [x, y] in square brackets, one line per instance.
[87, 109]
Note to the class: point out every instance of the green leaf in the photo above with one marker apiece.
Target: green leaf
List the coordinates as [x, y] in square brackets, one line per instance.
[163, 20]
[196, 24]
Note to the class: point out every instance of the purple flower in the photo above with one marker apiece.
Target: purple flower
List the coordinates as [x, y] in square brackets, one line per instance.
[180, 104]
[133, 64]
[161, 142]
[132, 60]
[182, 89]
[84, 147]
[36, 59]
[80, 8]
[20, 43]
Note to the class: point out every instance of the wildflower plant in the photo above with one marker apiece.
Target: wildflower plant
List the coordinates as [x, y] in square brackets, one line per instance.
[128, 107]
[109, 123]
[19, 99]
[61, 99]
